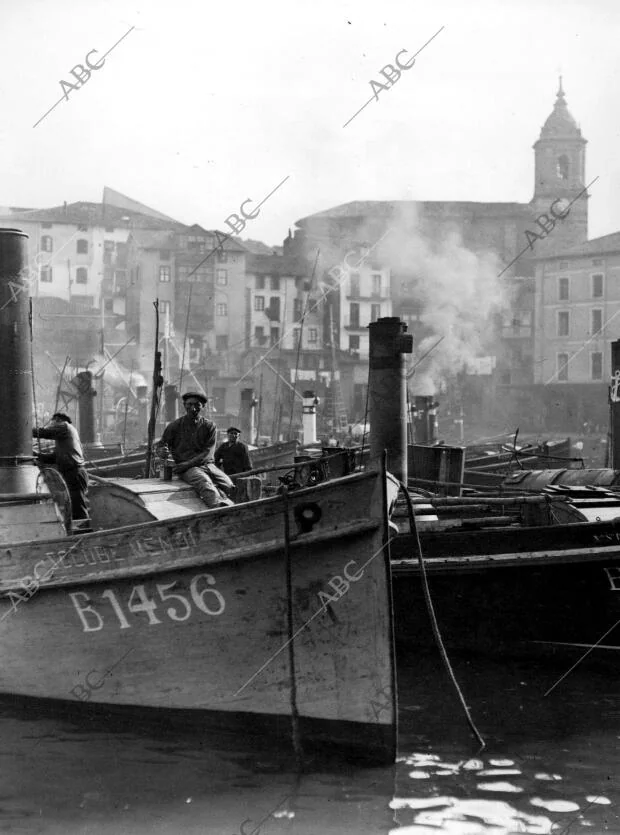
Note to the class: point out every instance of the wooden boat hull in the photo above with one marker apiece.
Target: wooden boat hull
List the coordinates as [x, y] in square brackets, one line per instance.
[197, 615]
[551, 592]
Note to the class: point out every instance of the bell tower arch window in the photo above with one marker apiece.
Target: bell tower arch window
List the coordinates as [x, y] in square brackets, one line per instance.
[562, 167]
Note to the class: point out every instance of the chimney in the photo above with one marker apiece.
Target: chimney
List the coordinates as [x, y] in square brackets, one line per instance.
[247, 415]
[310, 402]
[18, 473]
[389, 342]
[86, 406]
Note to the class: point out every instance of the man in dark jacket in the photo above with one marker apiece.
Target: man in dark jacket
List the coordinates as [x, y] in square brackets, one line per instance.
[191, 440]
[69, 460]
[233, 456]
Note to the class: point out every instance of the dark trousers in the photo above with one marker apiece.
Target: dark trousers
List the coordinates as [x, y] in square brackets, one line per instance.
[77, 484]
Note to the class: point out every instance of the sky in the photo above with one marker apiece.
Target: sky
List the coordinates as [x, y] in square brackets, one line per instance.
[202, 106]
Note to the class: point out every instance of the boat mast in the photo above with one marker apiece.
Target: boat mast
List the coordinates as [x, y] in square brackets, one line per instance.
[158, 382]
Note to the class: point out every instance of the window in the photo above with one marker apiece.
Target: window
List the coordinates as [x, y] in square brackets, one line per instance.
[597, 321]
[563, 265]
[222, 257]
[46, 243]
[221, 309]
[274, 309]
[109, 246]
[563, 323]
[274, 336]
[563, 289]
[164, 274]
[354, 343]
[562, 369]
[46, 274]
[597, 262]
[313, 335]
[164, 254]
[355, 284]
[275, 282]
[81, 275]
[596, 365]
[376, 285]
[221, 277]
[219, 399]
[165, 309]
[82, 246]
[562, 167]
[375, 312]
[260, 282]
[259, 302]
[597, 286]
[297, 309]
[221, 342]
[354, 315]
[108, 305]
[109, 228]
[259, 335]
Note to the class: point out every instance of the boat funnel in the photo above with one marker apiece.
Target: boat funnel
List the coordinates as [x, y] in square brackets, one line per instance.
[310, 402]
[387, 393]
[18, 472]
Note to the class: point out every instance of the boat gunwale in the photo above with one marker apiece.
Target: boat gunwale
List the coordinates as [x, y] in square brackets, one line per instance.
[191, 517]
[352, 529]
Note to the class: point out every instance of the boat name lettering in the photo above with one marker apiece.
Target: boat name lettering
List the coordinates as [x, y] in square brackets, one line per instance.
[340, 585]
[162, 544]
[206, 599]
[607, 537]
[613, 575]
[30, 585]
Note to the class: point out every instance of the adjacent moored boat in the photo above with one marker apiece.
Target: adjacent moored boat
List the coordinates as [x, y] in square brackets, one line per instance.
[273, 613]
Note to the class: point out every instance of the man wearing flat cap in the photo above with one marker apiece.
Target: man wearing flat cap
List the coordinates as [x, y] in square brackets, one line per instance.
[233, 456]
[191, 440]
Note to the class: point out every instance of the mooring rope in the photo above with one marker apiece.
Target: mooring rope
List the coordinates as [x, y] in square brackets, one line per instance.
[296, 736]
[433, 617]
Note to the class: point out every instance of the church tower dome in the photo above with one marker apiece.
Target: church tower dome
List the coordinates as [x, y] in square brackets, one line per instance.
[560, 157]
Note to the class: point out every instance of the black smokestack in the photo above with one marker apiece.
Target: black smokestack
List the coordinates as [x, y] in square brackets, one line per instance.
[18, 473]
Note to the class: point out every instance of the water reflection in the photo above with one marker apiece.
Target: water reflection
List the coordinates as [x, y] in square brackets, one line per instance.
[549, 764]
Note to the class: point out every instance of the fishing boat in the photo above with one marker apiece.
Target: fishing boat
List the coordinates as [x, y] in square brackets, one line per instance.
[272, 615]
[510, 574]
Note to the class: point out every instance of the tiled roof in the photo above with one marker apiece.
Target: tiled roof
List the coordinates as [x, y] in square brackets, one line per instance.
[388, 208]
[85, 213]
[276, 265]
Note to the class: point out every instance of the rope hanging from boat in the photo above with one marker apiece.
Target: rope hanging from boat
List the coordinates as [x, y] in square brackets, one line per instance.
[296, 736]
[34, 391]
[433, 617]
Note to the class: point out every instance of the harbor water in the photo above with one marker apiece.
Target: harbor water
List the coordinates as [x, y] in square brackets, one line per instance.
[551, 765]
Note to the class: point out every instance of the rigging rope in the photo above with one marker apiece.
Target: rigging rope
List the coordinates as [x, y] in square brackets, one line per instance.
[433, 617]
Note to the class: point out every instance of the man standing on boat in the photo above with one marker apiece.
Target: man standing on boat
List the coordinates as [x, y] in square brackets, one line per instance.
[191, 440]
[69, 460]
[232, 456]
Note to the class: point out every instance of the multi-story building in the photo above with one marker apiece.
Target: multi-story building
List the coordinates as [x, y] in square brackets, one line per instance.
[199, 281]
[577, 318]
[284, 339]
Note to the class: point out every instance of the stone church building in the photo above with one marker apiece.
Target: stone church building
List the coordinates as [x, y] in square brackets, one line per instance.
[434, 250]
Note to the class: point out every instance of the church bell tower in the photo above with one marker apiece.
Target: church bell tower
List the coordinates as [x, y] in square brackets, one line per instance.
[560, 157]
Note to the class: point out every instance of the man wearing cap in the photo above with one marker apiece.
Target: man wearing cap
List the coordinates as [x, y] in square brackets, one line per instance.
[191, 440]
[233, 456]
